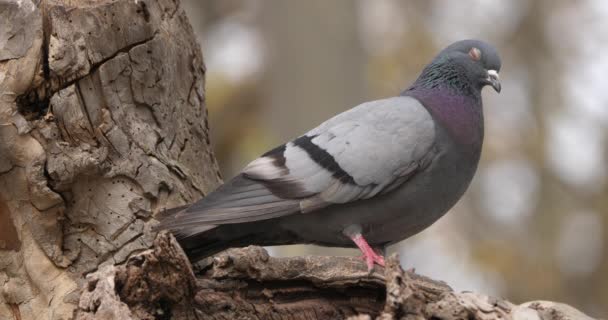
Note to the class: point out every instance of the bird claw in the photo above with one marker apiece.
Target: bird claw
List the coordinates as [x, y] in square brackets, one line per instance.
[370, 256]
[370, 260]
[379, 260]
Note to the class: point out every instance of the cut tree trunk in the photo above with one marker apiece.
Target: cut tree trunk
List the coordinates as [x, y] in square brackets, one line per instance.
[103, 124]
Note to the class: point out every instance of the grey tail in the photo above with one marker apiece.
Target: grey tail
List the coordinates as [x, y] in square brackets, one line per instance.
[219, 238]
[202, 241]
[213, 241]
[239, 213]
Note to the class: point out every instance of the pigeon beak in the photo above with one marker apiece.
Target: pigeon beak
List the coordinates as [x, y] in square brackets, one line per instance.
[493, 80]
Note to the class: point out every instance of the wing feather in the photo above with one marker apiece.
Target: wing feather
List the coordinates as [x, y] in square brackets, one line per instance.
[368, 150]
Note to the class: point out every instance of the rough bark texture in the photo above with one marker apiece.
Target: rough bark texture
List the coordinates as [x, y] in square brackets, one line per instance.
[102, 124]
[102, 121]
[248, 284]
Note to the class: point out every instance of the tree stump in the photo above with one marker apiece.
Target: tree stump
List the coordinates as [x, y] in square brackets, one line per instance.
[102, 123]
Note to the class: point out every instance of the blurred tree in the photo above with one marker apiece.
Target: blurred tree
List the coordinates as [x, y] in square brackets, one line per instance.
[316, 63]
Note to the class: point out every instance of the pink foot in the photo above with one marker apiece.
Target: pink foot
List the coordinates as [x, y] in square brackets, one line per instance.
[369, 255]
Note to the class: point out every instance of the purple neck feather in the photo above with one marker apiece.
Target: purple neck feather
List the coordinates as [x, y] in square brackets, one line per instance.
[461, 115]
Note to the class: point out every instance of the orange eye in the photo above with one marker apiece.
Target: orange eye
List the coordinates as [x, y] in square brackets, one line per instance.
[475, 54]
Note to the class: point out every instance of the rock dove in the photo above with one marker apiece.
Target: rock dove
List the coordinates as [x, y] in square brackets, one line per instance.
[368, 177]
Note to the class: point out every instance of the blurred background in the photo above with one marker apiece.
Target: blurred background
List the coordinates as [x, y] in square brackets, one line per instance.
[534, 222]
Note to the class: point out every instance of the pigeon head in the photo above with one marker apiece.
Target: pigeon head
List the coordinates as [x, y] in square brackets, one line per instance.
[466, 65]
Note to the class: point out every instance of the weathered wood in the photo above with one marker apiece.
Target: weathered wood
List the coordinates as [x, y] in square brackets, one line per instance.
[248, 284]
[102, 122]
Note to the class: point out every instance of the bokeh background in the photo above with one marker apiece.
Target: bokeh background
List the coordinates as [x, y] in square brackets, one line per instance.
[533, 224]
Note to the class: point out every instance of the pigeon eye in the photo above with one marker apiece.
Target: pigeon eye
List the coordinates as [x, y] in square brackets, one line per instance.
[475, 54]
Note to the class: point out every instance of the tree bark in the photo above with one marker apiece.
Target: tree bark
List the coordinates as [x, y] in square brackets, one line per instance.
[102, 124]
[248, 284]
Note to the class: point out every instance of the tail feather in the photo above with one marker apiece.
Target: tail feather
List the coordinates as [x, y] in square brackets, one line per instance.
[239, 200]
[206, 244]
[201, 244]
[234, 215]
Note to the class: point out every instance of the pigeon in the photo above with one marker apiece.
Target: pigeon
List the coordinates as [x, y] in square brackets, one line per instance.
[368, 177]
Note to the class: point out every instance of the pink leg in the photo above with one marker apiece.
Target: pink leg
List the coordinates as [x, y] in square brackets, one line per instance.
[369, 255]
[377, 251]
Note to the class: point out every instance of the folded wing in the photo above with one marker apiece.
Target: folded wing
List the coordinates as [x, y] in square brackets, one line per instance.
[366, 151]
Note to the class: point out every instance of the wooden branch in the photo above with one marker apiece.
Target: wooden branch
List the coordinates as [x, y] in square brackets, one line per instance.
[249, 284]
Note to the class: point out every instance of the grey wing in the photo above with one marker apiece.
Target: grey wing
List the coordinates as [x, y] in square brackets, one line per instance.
[380, 144]
[366, 151]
